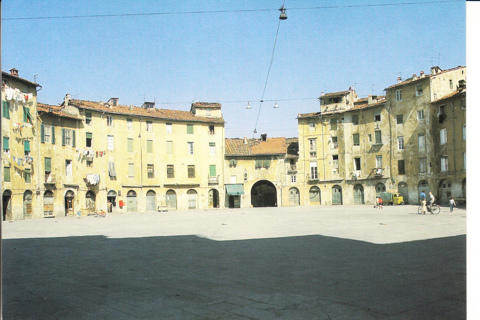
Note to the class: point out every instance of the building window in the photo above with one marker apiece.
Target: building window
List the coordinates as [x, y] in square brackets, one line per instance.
[333, 123]
[149, 126]
[169, 147]
[211, 148]
[311, 126]
[378, 137]
[356, 139]
[451, 84]
[27, 175]
[26, 115]
[211, 128]
[48, 166]
[26, 147]
[422, 165]
[189, 128]
[293, 178]
[420, 115]
[131, 170]
[169, 128]
[335, 142]
[170, 171]
[213, 171]
[6, 145]
[130, 144]
[88, 117]
[401, 167]
[443, 136]
[149, 146]
[419, 89]
[401, 145]
[377, 116]
[129, 124]
[89, 138]
[444, 163]
[356, 163]
[68, 137]
[109, 121]
[398, 95]
[399, 118]
[335, 160]
[150, 171]
[190, 148]
[464, 132]
[68, 168]
[313, 170]
[233, 163]
[191, 171]
[355, 119]
[6, 109]
[378, 162]
[262, 163]
[421, 142]
[6, 174]
[110, 143]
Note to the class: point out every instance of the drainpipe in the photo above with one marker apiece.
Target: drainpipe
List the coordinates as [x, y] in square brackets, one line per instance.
[453, 141]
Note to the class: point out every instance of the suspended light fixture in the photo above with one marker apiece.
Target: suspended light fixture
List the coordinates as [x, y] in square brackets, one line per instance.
[276, 105]
[249, 106]
[283, 15]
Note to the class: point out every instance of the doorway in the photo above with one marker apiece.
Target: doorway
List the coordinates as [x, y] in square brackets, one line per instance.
[358, 195]
[264, 194]
[69, 207]
[337, 198]
[7, 205]
[213, 198]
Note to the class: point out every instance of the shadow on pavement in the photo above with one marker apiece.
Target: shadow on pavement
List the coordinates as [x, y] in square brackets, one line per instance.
[188, 277]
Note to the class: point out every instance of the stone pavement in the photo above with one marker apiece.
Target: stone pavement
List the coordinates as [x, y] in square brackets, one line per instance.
[349, 262]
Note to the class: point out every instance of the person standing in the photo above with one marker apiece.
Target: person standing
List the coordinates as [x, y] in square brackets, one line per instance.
[432, 200]
[380, 203]
[452, 203]
[423, 201]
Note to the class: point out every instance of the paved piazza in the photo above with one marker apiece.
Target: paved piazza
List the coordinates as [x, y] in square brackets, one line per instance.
[349, 262]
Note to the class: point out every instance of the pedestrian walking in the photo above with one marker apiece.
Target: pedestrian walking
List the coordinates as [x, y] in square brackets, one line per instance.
[452, 203]
[380, 203]
[376, 202]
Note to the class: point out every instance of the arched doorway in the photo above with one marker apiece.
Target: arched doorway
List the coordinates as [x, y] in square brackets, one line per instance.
[213, 198]
[69, 207]
[423, 186]
[7, 205]
[294, 197]
[315, 197]
[171, 200]
[337, 195]
[403, 190]
[90, 201]
[132, 204]
[379, 188]
[151, 201]
[27, 204]
[358, 195]
[111, 200]
[444, 191]
[48, 203]
[264, 194]
[192, 199]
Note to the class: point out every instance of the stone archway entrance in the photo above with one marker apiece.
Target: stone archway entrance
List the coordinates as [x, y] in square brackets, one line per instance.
[294, 196]
[337, 195]
[7, 205]
[69, 207]
[213, 198]
[403, 190]
[264, 194]
[358, 196]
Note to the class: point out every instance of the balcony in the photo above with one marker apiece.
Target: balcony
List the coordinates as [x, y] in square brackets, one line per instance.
[356, 174]
[292, 169]
[50, 179]
[213, 180]
[377, 172]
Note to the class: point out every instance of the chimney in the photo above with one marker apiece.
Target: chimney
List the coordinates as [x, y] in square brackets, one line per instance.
[263, 136]
[148, 105]
[245, 140]
[14, 72]
[422, 74]
[372, 99]
[113, 102]
[399, 79]
[414, 77]
[66, 100]
[434, 70]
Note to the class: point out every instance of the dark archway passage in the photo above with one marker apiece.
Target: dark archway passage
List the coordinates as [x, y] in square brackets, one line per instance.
[264, 194]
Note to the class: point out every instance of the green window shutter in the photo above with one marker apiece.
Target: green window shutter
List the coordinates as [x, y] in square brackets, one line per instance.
[6, 174]
[356, 139]
[150, 146]
[53, 135]
[6, 143]
[26, 145]
[213, 170]
[63, 136]
[73, 138]
[42, 133]
[25, 117]
[5, 110]
[266, 164]
[48, 164]
[189, 128]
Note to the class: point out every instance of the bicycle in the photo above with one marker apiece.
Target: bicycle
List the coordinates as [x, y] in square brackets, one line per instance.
[434, 209]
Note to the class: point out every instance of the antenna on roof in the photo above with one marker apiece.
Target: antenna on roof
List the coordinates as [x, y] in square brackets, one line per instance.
[373, 89]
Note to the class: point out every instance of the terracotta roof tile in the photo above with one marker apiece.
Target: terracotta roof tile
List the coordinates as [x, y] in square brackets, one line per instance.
[165, 114]
[412, 80]
[451, 95]
[55, 110]
[256, 147]
[209, 105]
[339, 93]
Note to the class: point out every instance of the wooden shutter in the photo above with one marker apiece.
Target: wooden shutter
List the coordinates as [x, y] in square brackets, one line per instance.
[53, 135]
[42, 133]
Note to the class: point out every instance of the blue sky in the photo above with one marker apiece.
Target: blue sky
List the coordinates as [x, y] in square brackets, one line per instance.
[173, 59]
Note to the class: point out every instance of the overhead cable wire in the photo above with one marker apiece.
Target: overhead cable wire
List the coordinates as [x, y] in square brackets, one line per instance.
[224, 11]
